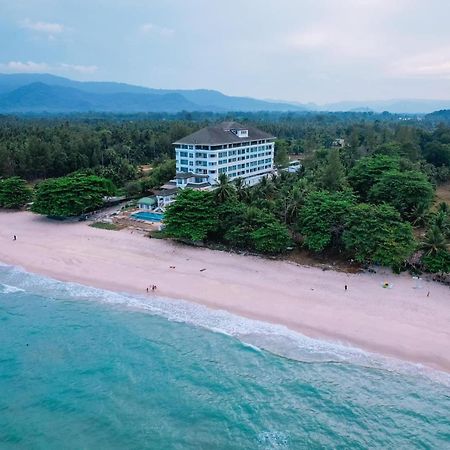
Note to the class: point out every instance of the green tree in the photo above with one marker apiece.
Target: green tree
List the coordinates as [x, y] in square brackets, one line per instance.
[272, 238]
[250, 220]
[133, 188]
[368, 171]
[441, 219]
[376, 234]
[193, 215]
[71, 195]
[406, 191]
[332, 176]
[281, 153]
[434, 241]
[322, 218]
[437, 153]
[259, 231]
[230, 214]
[391, 149]
[160, 174]
[224, 190]
[14, 193]
[242, 190]
[438, 262]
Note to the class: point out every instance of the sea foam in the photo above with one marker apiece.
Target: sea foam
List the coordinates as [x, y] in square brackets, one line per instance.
[7, 289]
[277, 339]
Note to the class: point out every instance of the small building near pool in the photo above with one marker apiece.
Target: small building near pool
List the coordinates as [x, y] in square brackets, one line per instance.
[147, 203]
[165, 197]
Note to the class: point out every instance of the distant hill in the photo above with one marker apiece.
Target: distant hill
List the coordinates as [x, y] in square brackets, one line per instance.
[439, 116]
[407, 106]
[40, 97]
[49, 93]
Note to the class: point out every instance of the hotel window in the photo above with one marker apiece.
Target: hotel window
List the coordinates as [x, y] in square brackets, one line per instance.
[183, 154]
[183, 161]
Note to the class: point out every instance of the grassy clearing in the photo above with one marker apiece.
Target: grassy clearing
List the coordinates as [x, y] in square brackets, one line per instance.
[157, 234]
[443, 193]
[105, 226]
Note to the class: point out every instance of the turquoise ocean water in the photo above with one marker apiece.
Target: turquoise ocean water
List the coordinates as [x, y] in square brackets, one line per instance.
[82, 368]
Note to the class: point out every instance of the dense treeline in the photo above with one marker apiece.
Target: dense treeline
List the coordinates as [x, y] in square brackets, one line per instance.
[369, 197]
[291, 209]
[38, 148]
[371, 200]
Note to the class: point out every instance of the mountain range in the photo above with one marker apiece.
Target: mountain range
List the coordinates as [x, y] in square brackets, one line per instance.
[40, 93]
[48, 93]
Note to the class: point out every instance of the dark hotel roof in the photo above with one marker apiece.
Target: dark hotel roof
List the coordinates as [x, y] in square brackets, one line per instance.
[165, 192]
[184, 175]
[187, 175]
[222, 134]
[198, 185]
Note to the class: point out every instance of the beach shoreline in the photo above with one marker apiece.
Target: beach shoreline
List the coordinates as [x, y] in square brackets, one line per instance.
[401, 322]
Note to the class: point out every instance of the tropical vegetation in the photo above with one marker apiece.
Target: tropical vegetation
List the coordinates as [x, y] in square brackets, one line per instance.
[368, 197]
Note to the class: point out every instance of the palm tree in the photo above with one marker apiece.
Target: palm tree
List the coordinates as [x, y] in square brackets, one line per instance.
[224, 190]
[251, 216]
[266, 188]
[443, 207]
[434, 241]
[421, 215]
[294, 202]
[241, 189]
[442, 221]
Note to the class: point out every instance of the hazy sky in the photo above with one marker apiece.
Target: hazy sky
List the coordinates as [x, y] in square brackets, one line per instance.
[303, 50]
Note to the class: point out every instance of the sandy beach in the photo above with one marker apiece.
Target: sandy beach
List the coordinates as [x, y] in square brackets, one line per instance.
[401, 322]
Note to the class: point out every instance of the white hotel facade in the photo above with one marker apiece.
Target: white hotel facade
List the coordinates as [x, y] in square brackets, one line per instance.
[231, 148]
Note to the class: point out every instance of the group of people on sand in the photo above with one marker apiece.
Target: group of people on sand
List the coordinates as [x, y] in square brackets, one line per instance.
[152, 287]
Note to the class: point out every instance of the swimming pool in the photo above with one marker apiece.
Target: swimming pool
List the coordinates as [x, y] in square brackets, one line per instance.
[148, 216]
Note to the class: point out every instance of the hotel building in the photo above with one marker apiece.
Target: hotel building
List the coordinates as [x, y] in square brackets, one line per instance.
[239, 151]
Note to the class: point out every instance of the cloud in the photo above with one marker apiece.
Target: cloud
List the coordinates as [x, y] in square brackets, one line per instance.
[348, 28]
[24, 67]
[78, 68]
[434, 64]
[42, 67]
[150, 28]
[42, 27]
[337, 42]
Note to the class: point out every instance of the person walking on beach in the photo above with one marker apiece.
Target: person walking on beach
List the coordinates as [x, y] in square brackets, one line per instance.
[147, 290]
[345, 287]
[428, 293]
[14, 238]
